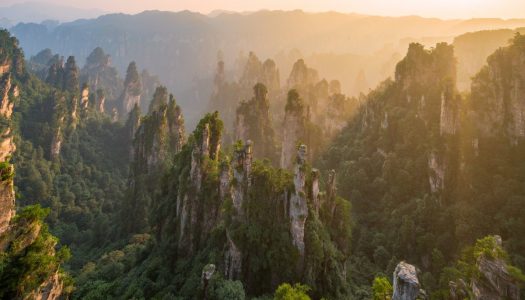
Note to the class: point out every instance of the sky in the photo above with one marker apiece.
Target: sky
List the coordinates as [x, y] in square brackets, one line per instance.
[445, 9]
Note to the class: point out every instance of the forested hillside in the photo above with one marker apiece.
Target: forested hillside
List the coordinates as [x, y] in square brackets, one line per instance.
[285, 189]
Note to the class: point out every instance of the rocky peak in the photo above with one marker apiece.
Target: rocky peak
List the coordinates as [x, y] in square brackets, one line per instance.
[302, 76]
[293, 128]
[422, 67]
[270, 75]
[497, 103]
[495, 281]
[157, 136]
[253, 122]
[160, 99]
[98, 73]
[132, 89]
[298, 210]
[406, 283]
[71, 75]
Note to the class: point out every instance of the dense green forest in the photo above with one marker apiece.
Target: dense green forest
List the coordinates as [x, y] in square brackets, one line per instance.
[292, 191]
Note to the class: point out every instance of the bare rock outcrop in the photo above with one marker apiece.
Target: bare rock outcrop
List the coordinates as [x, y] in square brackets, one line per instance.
[406, 284]
[298, 210]
[132, 93]
[293, 128]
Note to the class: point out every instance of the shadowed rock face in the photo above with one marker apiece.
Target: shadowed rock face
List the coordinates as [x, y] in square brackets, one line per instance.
[406, 283]
[497, 93]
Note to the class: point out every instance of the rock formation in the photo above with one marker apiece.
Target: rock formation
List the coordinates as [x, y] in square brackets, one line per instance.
[160, 135]
[71, 76]
[98, 73]
[302, 76]
[253, 122]
[84, 98]
[132, 90]
[17, 235]
[195, 220]
[8, 94]
[298, 209]
[498, 106]
[100, 101]
[293, 128]
[494, 282]
[406, 284]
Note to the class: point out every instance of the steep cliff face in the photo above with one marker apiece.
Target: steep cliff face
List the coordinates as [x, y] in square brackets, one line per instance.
[8, 95]
[497, 93]
[198, 207]
[156, 139]
[160, 134]
[256, 71]
[132, 90]
[293, 128]
[427, 80]
[298, 209]
[253, 122]
[28, 253]
[98, 73]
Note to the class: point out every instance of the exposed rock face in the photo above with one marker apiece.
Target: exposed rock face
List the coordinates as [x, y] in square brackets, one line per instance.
[192, 212]
[100, 101]
[7, 200]
[71, 75]
[428, 82]
[406, 284]
[436, 177]
[497, 94]
[253, 122]
[448, 122]
[160, 135]
[8, 94]
[242, 163]
[132, 89]
[293, 128]
[84, 98]
[98, 74]
[495, 282]
[298, 210]
[51, 289]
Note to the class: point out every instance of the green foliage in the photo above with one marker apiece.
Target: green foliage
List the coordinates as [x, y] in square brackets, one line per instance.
[30, 258]
[288, 292]
[381, 288]
[228, 289]
[6, 171]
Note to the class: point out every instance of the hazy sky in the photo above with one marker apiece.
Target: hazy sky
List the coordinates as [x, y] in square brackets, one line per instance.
[428, 8]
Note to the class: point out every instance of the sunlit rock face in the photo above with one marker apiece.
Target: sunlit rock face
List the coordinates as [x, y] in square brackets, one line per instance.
[8, 94]
[406, 284]
[51, 289]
